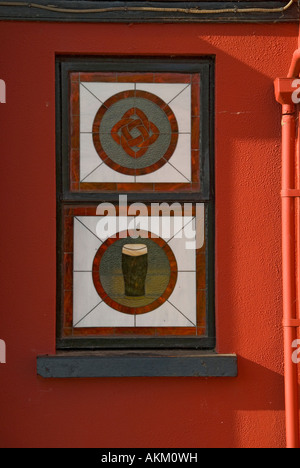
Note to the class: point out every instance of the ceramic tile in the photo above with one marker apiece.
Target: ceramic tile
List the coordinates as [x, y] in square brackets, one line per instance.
[196, 98]
[181, 106]
[98, 228]
[201, 308]
[172, 77]
[85, 296]
[74, 132]
[89, 159]
[162, 226]
[135, 77]
[74, 165]
[68, 308]
[105, 316]
[90, 222]
[178, 168]
[68, 234]
[179, 331]
[167, 173]
[108, 226]
[181, 159]
[95, 77]
[89, 106]
[184, 296]
[74, 98]
[199, 226]
[103, 91]
[105, 174]
[178, 97]
[68, 271]
[103, 227]
[167, 92]
[166, 316]
[185, 258]
[86, 244]
[201, 272]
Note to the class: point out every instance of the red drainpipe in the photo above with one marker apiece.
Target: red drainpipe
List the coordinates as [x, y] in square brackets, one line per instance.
[290, 193]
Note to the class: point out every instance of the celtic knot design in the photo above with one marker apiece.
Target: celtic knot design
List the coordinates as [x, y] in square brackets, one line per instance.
[135, 133]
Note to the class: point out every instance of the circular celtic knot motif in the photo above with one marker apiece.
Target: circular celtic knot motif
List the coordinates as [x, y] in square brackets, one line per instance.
[131, 124]
[135, 133]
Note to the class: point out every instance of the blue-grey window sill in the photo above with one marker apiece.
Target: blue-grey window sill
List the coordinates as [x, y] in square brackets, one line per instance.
[162, 363]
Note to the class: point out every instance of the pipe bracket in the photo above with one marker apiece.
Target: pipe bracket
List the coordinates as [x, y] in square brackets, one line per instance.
[294, 323]
[290, 193]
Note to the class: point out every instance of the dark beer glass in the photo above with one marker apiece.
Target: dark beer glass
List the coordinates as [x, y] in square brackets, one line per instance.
[135, 267]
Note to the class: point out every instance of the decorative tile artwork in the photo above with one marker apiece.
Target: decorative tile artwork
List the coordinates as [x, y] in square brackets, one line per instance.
[143, 282]
[135, 132]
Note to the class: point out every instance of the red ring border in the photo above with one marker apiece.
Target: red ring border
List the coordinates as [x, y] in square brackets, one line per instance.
[135, 310]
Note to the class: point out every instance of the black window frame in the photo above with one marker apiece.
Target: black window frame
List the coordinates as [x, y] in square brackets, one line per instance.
[65, 197]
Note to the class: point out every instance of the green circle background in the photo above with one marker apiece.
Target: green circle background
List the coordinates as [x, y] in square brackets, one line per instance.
[154, 113]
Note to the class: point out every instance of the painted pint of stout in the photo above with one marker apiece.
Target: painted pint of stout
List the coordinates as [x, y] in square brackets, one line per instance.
[135, 267]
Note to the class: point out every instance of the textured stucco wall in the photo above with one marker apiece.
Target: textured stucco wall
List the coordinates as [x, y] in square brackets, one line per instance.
[183, 412]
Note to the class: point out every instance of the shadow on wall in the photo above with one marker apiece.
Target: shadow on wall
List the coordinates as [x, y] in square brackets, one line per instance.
[248, 205]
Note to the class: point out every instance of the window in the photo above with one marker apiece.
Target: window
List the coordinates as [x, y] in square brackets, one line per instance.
[135, 203]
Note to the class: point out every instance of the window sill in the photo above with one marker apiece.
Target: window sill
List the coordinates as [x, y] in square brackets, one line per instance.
[166, 363]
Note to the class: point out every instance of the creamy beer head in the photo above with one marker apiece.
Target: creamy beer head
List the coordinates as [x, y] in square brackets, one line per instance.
[135, 250]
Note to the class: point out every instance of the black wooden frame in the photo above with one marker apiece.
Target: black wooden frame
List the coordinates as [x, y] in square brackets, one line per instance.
[203, 65]
[120, 11]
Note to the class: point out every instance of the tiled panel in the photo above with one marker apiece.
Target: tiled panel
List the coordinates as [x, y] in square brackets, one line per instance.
[134, 131]
[173, 301]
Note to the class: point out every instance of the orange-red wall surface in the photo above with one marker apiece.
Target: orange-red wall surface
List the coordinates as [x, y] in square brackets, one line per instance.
[242, 412]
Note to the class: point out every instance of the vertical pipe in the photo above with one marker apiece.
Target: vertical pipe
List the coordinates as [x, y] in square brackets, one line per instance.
[289, 275]
[297, 209]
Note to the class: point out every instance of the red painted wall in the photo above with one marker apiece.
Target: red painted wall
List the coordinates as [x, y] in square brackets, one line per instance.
[247, 411]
